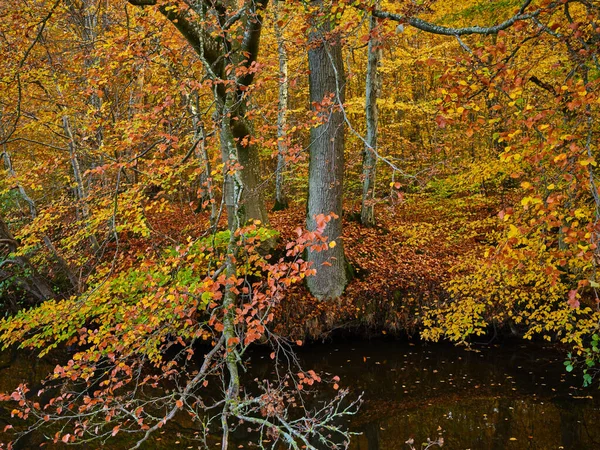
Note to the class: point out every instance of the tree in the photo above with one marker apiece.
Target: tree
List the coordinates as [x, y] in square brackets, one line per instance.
[281, 201]
[326, 166]
[230, 63]
[217, 288]
[372, 90]
[90, 127]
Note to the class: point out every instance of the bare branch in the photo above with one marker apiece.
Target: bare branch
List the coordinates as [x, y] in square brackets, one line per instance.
[450, 31]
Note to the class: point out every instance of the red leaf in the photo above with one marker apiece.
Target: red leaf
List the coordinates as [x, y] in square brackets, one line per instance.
[573, 302]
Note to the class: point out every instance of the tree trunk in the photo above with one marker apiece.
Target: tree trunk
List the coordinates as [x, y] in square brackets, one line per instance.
[373, 85]
[84, 209]
[282, 148]
[251, 204]
[233, 184]
[326, 167]
[206, 184]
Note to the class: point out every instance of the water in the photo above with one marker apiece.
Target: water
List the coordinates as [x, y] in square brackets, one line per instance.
[501, 397]
[513, 396]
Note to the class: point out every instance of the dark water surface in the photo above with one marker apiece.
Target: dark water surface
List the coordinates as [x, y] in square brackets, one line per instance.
[513, 396]
[501, 397]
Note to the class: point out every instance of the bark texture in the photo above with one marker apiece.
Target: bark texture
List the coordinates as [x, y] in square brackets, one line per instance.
[326, 167]
[373, 87]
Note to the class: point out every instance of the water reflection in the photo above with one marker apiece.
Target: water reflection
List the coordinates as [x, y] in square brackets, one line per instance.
[513, 396]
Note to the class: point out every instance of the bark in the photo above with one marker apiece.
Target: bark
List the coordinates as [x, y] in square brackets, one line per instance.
[206, 184]
[83, 209]
[252, 205]
[232, 394]
[233, 184]
[373, 87]
[281, 201]
[326, 167]
[428, 27]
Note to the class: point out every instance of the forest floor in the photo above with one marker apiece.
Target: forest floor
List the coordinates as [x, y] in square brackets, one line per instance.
[399, 267]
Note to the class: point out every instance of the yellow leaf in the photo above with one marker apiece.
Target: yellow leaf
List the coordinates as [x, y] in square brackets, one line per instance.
[560, 157]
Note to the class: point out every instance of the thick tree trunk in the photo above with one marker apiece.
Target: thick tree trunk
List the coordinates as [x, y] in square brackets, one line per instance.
[373, 84]
[326, 167]
[251, 203]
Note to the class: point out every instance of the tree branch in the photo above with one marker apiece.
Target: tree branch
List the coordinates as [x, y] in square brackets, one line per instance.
[450, 31]
[251, 42]
[189, 28]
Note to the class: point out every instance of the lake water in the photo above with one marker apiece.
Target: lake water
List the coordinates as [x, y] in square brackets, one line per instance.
[513, 396]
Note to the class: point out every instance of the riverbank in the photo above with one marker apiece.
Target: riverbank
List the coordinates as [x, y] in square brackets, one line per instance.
[400, 268]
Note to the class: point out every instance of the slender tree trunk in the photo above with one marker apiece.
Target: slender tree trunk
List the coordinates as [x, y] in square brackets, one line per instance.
[80, 190]
[326, 167]
[373, 86]
[206, 184]
[281, 201]
[233, 184]
[229, 303]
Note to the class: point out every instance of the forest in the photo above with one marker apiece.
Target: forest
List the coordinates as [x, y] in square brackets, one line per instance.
[189, 182]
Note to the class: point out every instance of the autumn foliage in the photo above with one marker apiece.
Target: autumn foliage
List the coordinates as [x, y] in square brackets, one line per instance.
[144, 142]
